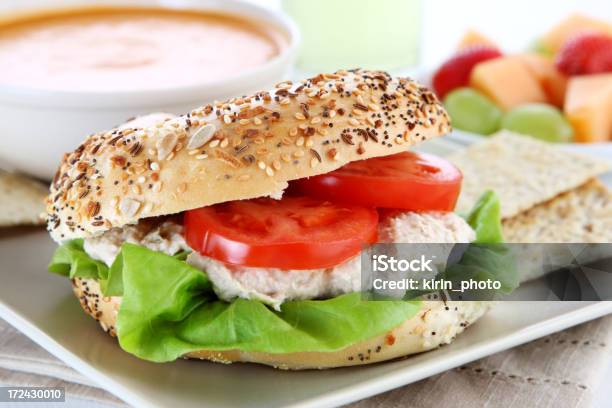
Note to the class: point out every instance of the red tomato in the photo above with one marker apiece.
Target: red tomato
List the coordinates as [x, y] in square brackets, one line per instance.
[455, 72]
[292, 233]
[408, 181]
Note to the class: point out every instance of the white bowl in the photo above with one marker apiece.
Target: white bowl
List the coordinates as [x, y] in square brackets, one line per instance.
[38, 126]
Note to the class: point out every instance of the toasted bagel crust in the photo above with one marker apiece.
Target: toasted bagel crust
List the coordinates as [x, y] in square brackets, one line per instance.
[436, 324]
[244, 148]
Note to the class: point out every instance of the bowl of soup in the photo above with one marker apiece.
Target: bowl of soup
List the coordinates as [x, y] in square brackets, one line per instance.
[79, 68]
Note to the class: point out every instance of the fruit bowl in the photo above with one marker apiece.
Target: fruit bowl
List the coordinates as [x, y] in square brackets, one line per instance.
[559, 91]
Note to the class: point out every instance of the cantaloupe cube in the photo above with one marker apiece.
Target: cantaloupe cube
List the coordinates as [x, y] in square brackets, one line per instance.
[588, 107]
[553, 82]
[473, 38]
[572, 25]
[507, 81]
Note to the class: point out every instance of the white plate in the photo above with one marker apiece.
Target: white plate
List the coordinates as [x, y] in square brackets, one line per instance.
[42, 306]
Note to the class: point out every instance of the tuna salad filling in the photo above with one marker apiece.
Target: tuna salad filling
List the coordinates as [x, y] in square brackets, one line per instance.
[274, 286]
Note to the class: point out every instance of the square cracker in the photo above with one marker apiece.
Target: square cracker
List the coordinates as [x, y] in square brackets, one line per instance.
[581, 215]
[22, 200]
[523, 171]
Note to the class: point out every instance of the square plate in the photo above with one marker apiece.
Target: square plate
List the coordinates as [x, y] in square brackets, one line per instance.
[42, 306]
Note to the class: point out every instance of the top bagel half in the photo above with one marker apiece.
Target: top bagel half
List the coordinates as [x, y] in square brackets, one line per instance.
[243, 148]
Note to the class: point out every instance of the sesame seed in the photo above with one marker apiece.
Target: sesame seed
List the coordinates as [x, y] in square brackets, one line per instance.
[285, 157]
[257, 121]
[315, 120]
[284, 85]
[298, 153]
[261, 165]
[141, 179]
[227, 119]
[314, 162]
[181, 188]
[353, 122]
[285, 101]
[293, 131]
[300, 141]
[243, 121]
[299, 116]
[309, 142]
[214, 143]
[269, 171]
[276, 165]
[147, 208]
[244, 177]
[373, 106]
[201, 156]
[224, 142]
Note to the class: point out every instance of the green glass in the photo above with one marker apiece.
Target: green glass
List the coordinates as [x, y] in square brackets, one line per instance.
[371, 34]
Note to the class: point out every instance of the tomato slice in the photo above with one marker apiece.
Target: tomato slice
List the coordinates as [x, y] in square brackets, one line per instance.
[408, 181]
[292, 233]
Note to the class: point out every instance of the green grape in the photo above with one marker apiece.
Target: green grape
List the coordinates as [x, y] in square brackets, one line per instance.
[538, 47]
[472, 111]
[539, 120]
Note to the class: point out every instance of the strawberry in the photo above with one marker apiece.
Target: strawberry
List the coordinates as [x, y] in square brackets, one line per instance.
[455, 72]
[583, 54]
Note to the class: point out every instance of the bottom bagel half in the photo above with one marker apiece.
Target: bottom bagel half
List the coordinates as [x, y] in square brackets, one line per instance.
[437, 323]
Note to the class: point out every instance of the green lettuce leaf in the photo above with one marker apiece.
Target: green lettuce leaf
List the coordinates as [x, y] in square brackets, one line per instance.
[487, 257]
[482, 262]
[169, 309]
[72, 261]
[485, 219]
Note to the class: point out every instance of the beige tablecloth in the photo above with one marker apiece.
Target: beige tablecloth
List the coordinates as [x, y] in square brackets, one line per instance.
[560, 370]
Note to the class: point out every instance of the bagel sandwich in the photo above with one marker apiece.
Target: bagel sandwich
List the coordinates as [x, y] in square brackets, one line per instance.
[234, 233]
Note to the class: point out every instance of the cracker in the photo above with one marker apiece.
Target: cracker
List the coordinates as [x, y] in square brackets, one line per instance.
[581, 215]
[522, 171]
[21, 200]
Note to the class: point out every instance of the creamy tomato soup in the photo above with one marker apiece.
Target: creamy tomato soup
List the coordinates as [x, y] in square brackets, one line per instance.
[118, 48]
